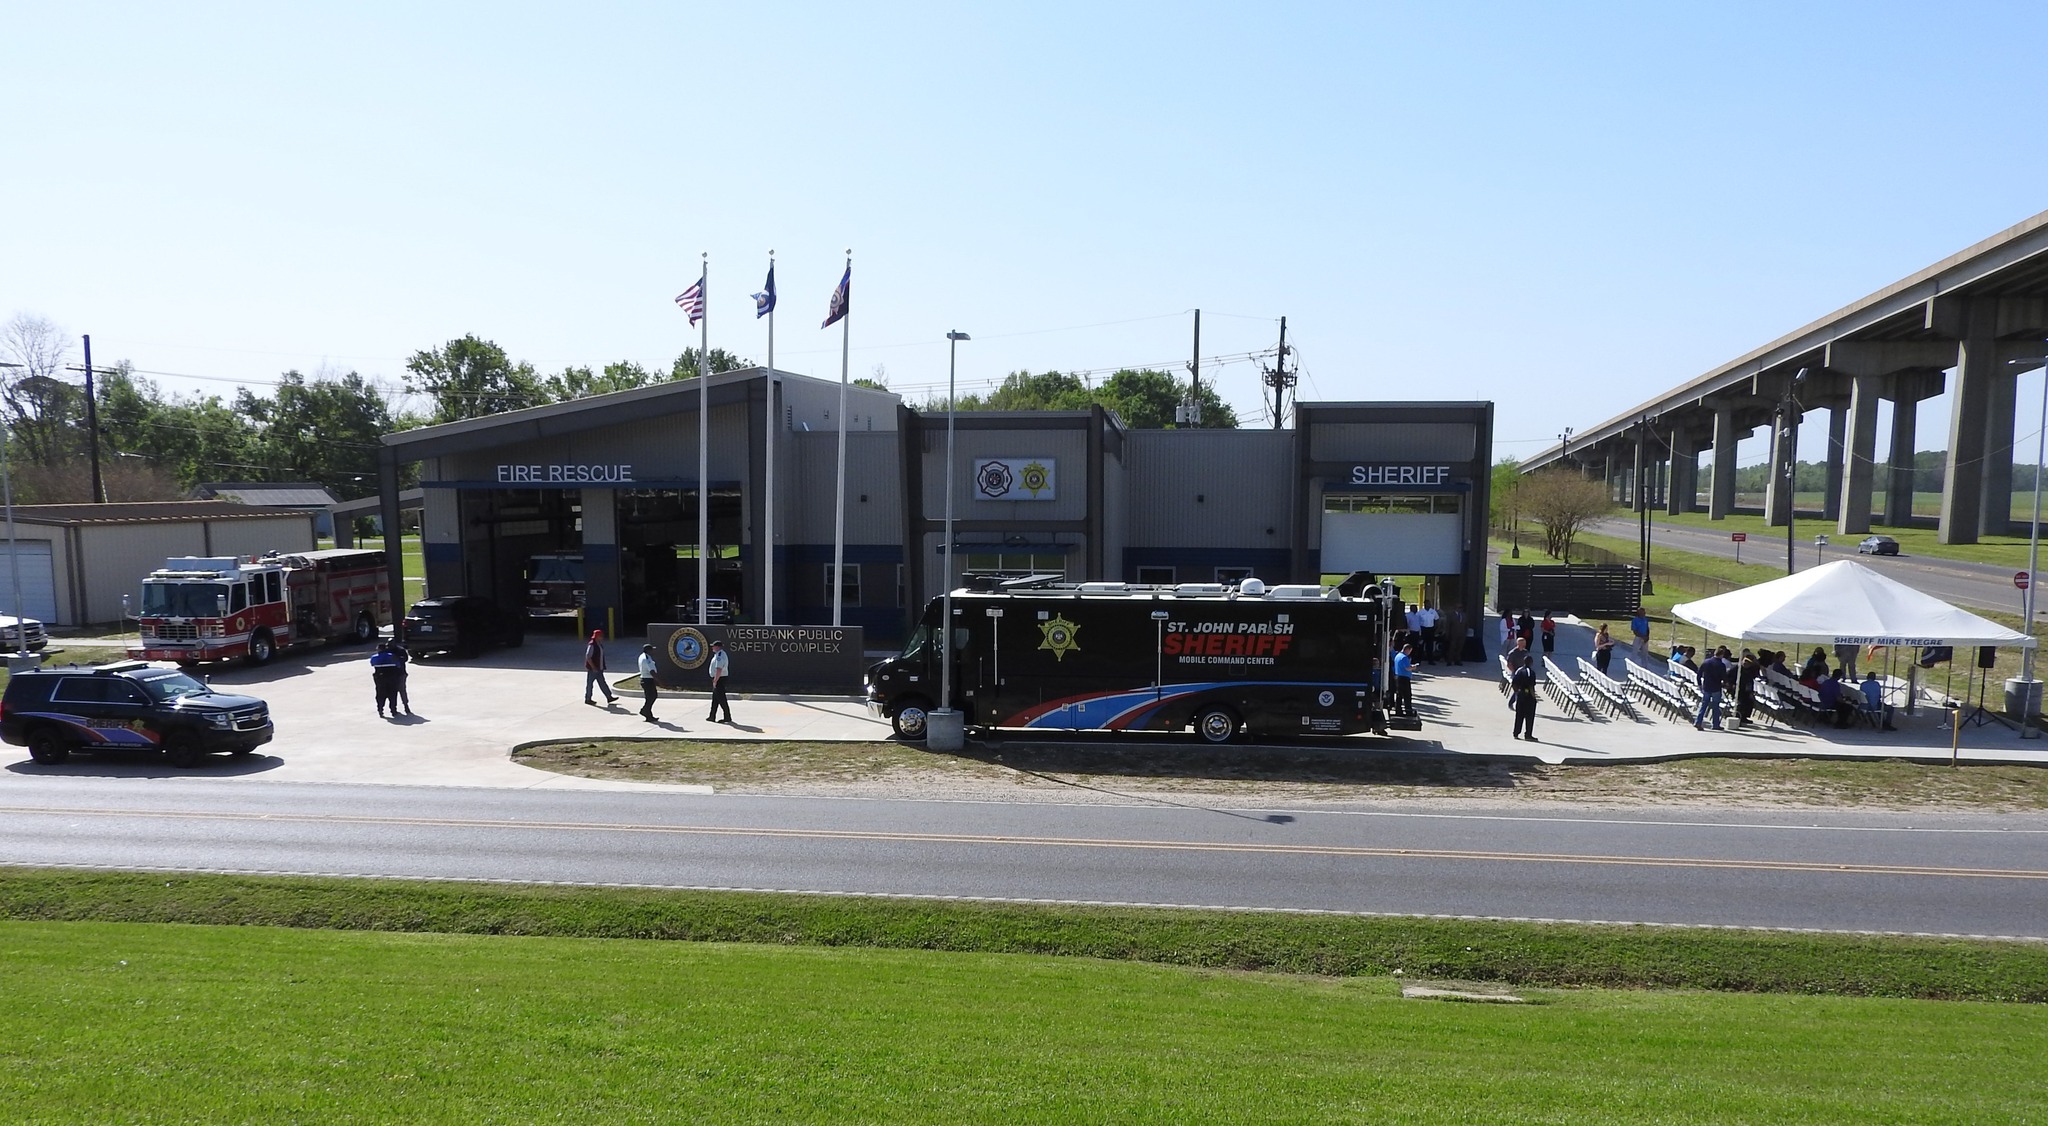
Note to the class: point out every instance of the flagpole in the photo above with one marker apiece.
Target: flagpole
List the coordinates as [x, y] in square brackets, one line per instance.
[768, 486]
[839, 504]
[704, 449]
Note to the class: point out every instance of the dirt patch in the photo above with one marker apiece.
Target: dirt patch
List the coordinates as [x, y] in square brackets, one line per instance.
[1293, 776]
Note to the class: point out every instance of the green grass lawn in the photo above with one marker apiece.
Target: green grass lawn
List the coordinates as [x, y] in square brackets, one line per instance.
[470, 1003]
[1769, 541]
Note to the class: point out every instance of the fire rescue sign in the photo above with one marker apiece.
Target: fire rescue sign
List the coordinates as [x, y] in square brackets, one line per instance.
[1015, 478]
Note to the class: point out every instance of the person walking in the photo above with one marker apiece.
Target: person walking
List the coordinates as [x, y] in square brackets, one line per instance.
[1549, 628]
[720, 668]
[648, 685]
[1713, 674]
[1519, 657]
[593, 671]
[383, 672]
[1639, 628]
[1603, 649]
[1522, 697]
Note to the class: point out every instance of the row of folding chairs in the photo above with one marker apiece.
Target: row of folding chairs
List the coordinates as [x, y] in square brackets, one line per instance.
[1606, 693]
[1660, 692]
[1569, 697]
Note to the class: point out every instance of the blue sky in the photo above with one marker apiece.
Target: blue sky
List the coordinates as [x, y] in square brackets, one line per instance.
[1563, 208]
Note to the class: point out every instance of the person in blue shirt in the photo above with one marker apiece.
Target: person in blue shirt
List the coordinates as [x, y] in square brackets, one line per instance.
[384, 669]
[1404, 681]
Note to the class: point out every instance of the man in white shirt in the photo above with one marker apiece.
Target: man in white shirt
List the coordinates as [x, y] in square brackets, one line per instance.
[1432, 650]
[648, 686]
[720, 667]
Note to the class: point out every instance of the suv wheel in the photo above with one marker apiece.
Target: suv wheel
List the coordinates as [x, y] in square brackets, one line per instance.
[182, 748]
[261, 648]
[47, 747]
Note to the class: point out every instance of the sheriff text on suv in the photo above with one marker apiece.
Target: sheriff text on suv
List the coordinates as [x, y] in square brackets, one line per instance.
[128, 706]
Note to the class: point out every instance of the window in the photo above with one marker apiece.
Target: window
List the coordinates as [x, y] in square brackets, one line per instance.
[1156, 576]
[238, 598]
[81, 690]
[1233, 574]
[273, 587]
[1438, 504]
[849, 584]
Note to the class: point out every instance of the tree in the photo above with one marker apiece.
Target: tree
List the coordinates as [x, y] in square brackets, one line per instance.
[581, 382]
[469, 378]
[327, 430]
[43, 408]
[1562, 501]
[1501, 496]
[1149, 400]
[686, 364]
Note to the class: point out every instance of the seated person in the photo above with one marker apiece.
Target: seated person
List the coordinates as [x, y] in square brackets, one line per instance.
[1880, 713]
[1816, 667]
[1686, 659]
[1834, 699]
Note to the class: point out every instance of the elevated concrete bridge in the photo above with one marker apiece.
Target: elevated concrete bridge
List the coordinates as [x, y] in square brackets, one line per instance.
[1970, 324]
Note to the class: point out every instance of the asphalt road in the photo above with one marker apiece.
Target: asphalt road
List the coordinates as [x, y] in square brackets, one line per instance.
[1980, 586]
[1914, 873]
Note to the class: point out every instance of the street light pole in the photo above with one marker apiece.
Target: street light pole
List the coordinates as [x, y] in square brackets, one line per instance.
[943, 726]
[1788, 445]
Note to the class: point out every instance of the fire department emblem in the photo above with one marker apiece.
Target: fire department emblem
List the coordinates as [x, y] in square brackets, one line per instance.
[688, 647]
[995, 479]
[1060, 636]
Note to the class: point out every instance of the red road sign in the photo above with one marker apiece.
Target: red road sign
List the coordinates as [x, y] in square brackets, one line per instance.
[1738, 537]
[2020, 579]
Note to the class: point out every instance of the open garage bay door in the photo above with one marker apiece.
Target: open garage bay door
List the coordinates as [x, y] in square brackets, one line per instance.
[38, 580]
[1393, 535]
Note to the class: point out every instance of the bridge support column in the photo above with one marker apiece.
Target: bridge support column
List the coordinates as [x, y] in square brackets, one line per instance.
[1685, 473]
[1898, 491]
[1784, 457]
[1999, 407]
[1831, 493]
[1853, 517]
[1722, 502]
[1962, 485]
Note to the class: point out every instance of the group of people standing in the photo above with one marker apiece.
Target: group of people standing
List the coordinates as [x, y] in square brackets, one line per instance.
[391, 662]
[1432, 636]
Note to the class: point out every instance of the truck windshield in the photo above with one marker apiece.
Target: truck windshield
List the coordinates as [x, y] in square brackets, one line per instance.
[173, 685]
[557, 570]
[184, 600]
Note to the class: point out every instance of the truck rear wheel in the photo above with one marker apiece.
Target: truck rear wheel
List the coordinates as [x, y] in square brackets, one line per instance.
[47, 747]
[261, 648]
[911, 718]
[365, 631]
[1216, 725]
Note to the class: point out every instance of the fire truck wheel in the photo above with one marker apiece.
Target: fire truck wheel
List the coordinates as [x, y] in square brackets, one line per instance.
[47, 747]
[261, 648]
[182, 748]
[1216, 725]
[909, 720]
[366, 629]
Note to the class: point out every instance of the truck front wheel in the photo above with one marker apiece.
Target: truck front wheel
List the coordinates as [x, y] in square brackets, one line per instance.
[910, 718]
[1216, 725]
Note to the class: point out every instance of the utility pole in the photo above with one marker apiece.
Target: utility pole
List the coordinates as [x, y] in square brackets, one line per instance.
[92, 426]
[1277, 376]
[1190, 412]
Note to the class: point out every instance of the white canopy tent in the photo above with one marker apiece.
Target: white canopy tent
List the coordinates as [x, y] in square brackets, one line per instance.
[1843, 603]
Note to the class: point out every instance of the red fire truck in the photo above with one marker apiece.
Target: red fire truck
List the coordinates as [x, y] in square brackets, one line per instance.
[198, 608]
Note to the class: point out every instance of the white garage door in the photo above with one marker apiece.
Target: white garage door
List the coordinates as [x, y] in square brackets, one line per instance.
[1393, 543]
[38, 579]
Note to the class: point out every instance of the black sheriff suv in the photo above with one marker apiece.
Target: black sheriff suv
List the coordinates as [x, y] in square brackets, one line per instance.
[128, 706]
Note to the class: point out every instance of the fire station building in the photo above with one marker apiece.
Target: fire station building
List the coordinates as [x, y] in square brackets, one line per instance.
[607, 488]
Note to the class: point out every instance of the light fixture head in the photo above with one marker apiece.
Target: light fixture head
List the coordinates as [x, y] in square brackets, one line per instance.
[958, 336]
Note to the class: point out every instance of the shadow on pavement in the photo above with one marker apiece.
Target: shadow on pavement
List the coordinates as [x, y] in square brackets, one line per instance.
[146, 764]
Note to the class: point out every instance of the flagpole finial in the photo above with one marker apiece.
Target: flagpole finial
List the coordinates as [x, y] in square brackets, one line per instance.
[705, 256]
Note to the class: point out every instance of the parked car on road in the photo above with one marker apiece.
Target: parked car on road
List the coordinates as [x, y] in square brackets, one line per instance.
[17, 634]
[128, 706]
[1878, 545]
[462, 624]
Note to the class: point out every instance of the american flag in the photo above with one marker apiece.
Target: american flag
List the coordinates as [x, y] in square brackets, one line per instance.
[692, 302]
[841, 299]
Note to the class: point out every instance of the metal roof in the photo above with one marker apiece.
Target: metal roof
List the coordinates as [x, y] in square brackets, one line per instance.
[146, 512]
[266, 492]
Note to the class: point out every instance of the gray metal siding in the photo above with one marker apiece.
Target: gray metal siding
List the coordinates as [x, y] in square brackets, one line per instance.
[1393, 441]
[1244, 477]
[870, 472]
[1068, 448]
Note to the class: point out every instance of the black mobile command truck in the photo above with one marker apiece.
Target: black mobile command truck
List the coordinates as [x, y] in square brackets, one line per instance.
[1036, 654]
